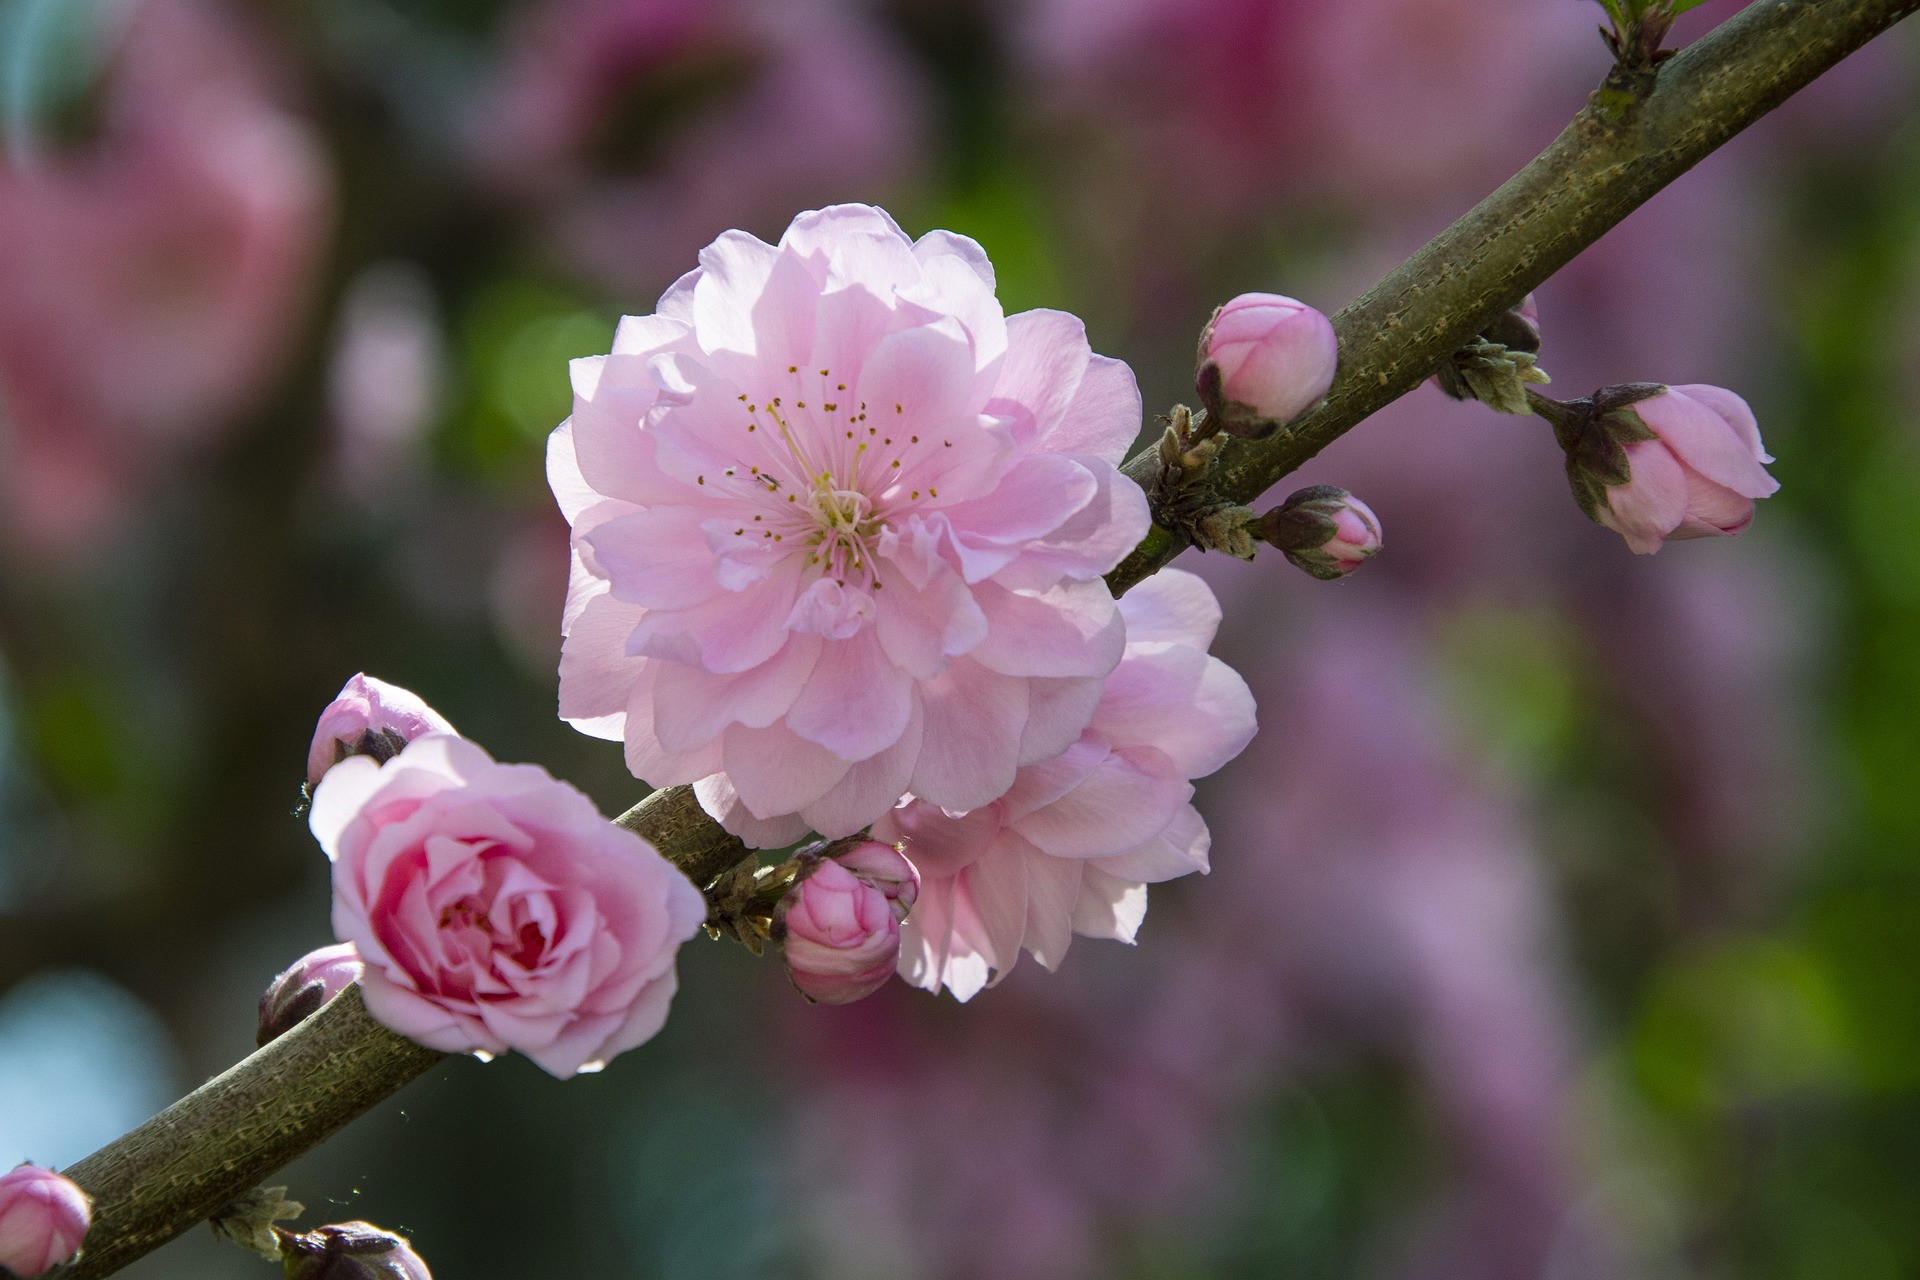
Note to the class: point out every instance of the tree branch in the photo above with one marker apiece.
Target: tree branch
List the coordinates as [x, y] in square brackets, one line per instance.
[232, 1132]
[1599, 170]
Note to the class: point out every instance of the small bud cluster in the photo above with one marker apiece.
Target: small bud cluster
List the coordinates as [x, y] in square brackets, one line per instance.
[1497, 367]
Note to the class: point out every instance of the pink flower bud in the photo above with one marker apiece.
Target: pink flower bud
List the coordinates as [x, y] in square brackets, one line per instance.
[1693, 457]
[842, 930]
[1323, 529]
[43, 1219]
[369, 718]
[351, 1251]
[885, 868]
[307, 984]
[1264, 361]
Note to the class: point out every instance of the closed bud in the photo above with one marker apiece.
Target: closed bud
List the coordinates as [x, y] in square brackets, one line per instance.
[369, 718]
[1264, 361]
[885, 868]
[43, 1219]
[351, 1251]
[308, 983]
[839, 925]
[1324, 530]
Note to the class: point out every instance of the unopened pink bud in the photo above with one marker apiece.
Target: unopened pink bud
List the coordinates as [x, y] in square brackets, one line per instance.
[43, 1219]
[310, 982]
[885, 868]
[1264, 361]
[1357, 535]
[842, 932]
[369, 718]
[1323, 529]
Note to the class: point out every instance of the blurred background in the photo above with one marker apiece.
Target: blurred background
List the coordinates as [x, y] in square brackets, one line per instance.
[1565, 916]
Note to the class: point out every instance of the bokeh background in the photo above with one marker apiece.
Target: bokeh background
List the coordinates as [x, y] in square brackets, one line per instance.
[1565, 915]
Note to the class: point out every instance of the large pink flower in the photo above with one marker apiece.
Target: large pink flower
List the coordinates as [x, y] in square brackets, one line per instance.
[1072, 847]
[495, 909]
[839, 526]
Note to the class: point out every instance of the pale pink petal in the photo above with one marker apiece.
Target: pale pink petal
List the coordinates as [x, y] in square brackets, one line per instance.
[717, 796]
[1057, 712]
[1073, 629]
[855, 703]
[1104, 418]
[1172, 607]
[1120, 805]
[974, 721]
[1650, 506]
[870, 786]
[1705, 440]
[692, 706]
[1053, 891]
[1108, 907]
[776, 771]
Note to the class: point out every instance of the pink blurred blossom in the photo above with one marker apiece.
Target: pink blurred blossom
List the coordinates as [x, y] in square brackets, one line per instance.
[795, 103]
[43, 1219]
[495, 909]
[839, 526]
[365, 706]
[153, 277]
[1073, 845]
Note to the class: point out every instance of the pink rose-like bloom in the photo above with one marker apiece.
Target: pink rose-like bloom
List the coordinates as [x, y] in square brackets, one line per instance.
[495, 909]
[1699, 476]
[843, 924]
[1276, 356]
[1074, 845]
[306, 985]
[839, 526]
[43, 1219]
[366, 706]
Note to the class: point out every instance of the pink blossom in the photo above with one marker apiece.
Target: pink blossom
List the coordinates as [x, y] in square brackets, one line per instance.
[842, 923]
[43, 1219]
[798, 102]
[306, 985]
[153, 278]
[1275, 357]
[839, 527]
[369, 717]
[496, 909]
[1697, 478]
[1073, 845]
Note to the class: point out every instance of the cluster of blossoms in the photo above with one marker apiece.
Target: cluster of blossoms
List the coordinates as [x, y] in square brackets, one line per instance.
[839, 531]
